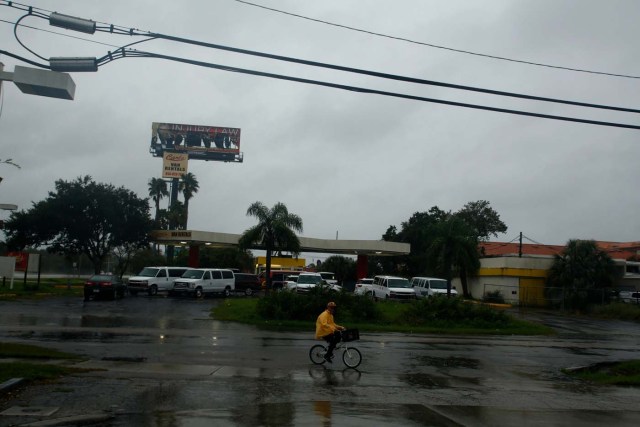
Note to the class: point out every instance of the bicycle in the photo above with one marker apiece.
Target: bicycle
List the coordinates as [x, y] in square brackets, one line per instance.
[351, 356]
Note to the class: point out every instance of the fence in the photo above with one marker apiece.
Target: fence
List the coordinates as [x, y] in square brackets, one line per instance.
[544, 296]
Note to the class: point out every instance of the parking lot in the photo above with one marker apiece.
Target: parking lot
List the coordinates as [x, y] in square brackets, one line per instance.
[159, 361]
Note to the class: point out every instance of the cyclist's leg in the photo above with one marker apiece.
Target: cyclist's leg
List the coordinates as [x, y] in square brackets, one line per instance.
[333, 340]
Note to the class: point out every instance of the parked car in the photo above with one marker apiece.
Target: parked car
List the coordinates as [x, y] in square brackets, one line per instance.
[278, 278]
[328, 277]
[629, 296]
[199, 282]
[308, 281]
[392, 287]
[291, 282]
[104, 285]
[429, 286]
[247, 283]
[363, 287]
[155, 279]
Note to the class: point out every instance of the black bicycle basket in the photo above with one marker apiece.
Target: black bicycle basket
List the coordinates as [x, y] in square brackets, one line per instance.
[350, 335]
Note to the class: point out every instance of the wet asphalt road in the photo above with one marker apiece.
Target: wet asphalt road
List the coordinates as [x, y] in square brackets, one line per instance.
[165, 362]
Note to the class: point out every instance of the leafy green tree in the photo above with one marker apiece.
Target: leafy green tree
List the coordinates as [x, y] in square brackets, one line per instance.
[143, 258]
[485, 222]
[275, 231]
[454, 247]
[580, 269]
[483, 219]
[157, 190]
[189, 186]
[418, 232]
[177, 215]
[343, 267]
[82, 217]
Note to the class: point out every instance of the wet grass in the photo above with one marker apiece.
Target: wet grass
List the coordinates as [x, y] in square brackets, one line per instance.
[33, 371]
[617, 310]
[619, 373]
[46, 288]
[26, 351]
[244, 310]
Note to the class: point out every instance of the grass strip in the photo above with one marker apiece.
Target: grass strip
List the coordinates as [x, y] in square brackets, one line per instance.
[34, 371]
[26, 351]
[243, 310]
[621, 373]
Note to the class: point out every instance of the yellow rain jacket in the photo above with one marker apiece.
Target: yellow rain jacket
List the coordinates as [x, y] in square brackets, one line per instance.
[325, 325]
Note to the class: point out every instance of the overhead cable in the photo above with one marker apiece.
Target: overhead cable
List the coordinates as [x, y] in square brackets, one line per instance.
[133, 32]
[138, 54]
[502, 58]
[382, 75]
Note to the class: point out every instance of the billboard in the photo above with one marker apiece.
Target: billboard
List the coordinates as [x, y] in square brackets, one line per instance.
[199, 142]
[174, 165]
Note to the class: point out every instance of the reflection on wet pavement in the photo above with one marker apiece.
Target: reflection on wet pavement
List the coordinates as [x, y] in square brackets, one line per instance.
[323, 413]
[449, 362]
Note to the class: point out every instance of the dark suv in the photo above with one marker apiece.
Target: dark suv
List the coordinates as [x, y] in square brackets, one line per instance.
[247, 283]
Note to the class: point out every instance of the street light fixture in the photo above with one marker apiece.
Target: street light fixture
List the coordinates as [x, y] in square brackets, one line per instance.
[40, 82]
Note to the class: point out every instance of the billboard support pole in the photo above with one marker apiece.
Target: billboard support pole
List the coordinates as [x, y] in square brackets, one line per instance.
[175, 184]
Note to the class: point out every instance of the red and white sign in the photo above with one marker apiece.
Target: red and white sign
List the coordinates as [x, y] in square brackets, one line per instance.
[174, 165]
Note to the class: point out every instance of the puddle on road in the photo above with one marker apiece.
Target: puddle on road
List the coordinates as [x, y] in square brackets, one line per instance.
[582, 351]
[424, 380]
[449, 362]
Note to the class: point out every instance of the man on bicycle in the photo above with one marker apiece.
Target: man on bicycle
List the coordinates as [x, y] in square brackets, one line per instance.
[328, 330]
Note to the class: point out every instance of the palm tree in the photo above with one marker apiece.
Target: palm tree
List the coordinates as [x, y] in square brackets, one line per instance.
[275, 231]
[177, 214]
[158, 190]
[189, 187]
[455, 247]
[581, 269]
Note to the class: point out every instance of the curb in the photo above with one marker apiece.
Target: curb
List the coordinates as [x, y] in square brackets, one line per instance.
[9, 384]
[71, 421]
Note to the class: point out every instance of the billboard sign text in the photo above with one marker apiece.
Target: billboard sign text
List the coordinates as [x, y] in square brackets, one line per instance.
[198, 141]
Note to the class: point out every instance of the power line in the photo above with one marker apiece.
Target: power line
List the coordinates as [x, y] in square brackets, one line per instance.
[59, 34]
[120, 53]
[138, 54]
[502, 58]
[133, 32]
[383, 75]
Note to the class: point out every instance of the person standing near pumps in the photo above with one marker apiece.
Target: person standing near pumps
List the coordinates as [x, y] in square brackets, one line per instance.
[328, 330]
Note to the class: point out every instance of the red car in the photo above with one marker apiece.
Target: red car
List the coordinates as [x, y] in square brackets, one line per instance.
[104, 285]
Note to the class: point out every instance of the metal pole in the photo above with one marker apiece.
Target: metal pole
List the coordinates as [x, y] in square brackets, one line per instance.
[520, 246]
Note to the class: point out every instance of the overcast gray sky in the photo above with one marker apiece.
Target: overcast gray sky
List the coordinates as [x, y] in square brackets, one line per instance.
[347, 163]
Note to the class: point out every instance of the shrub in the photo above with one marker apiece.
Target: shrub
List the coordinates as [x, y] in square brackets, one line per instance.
[442, 311]
[494, 296]
[292, 306]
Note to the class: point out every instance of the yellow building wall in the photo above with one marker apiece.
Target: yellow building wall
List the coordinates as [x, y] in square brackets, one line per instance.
[532, 292]
[278, 263]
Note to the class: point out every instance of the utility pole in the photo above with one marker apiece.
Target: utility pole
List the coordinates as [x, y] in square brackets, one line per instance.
[520, 246]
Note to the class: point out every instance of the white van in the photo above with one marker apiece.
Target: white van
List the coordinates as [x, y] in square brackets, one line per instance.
[199, 282]
[392, 287]
[429, 286]
[154, 279]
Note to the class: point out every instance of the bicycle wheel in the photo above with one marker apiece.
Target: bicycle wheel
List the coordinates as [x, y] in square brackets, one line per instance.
[352, 357]
[316, 354]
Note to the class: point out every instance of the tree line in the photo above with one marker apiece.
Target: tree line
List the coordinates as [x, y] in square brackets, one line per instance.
[99, 220]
